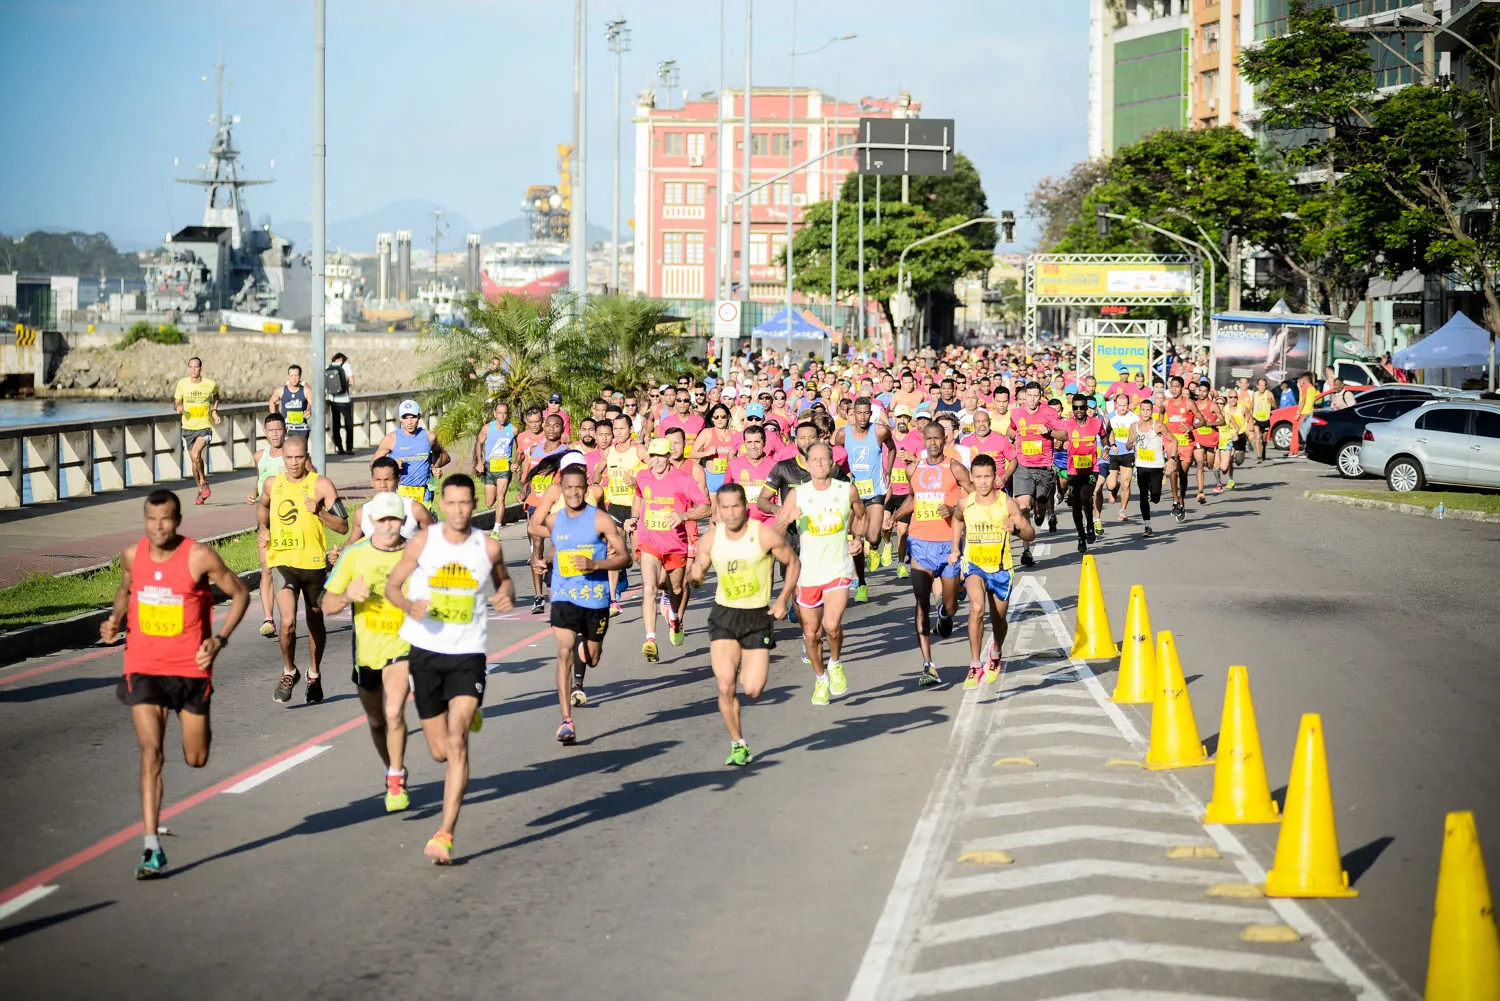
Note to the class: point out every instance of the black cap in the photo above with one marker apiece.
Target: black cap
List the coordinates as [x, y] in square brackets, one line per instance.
[555, 398]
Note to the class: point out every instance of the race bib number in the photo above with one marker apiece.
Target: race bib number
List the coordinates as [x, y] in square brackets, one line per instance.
[296, 417]
[1082, 463]
[986, 555]
[158, 616]
[1121, 434]
[567, 560]
[927, 510]
[752, 492]
[1031, 448]
[658, 520]
[541, 483]
[718, 466]
[499, 465]
[418, 494]
[825, 523]
[451, 606]
[687, 450]
[197, 412]
[619, 493]
[378, 616]
[898, 475]
[286, 538]
[866, 488]
[738, 584]
[1146, 454]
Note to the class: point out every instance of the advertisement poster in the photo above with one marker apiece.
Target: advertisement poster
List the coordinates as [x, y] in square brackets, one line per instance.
[1120, 281]
[1117, 358]
[1252, 349]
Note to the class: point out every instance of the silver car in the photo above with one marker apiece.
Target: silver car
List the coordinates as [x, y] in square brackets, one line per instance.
[1449, 441]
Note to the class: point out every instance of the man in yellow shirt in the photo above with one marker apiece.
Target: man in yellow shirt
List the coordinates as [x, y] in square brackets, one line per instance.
[197, 400]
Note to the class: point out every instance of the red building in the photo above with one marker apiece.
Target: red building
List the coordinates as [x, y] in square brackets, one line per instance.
[679, 178]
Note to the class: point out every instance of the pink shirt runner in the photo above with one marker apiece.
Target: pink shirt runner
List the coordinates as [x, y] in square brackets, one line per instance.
[660, 496]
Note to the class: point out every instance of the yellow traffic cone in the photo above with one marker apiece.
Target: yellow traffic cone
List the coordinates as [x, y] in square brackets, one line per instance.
[1241, 793]
[1464, 961]
[1174, 732]
[1092, 638]
[1136, 682]
[1308, 863]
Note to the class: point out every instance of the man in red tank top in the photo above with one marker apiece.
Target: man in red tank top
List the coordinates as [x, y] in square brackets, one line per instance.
[169, 650]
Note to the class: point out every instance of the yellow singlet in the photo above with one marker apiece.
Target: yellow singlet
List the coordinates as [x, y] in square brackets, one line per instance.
[986, 540]
[197, 402]
[743, 568]
[621, 467]
[297, 538]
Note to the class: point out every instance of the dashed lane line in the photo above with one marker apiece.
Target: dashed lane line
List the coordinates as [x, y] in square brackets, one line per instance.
[286, 765]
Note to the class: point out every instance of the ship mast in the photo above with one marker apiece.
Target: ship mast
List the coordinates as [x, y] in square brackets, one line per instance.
[220, 173]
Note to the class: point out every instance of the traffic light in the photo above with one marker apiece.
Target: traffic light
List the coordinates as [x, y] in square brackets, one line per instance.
[1007, 226]
[1101, 220]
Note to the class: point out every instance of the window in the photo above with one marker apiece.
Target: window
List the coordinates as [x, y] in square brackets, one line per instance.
[1450, 420]
[778, 245]
[1208, 82]
[848, 138]
[760, 143]
[672, 193]
[758, 196]
[781, 192]
[671, 248]
[1352, 374]
[1210, 38]
[1487, 424]
[695, 248]
[695, 142]
[778, 144]
[758, 245]
[695, 192]
[671, 143]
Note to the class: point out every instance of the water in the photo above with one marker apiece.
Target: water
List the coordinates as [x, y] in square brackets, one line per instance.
[35, 411]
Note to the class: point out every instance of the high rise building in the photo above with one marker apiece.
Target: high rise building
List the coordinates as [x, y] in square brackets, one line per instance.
[1216, 43]
[1139, 65]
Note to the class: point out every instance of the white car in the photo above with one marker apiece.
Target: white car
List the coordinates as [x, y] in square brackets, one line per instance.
[1449, 441]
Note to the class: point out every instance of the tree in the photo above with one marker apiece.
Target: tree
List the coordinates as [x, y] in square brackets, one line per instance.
[961, 194]
[67, 254]
[1057, 202]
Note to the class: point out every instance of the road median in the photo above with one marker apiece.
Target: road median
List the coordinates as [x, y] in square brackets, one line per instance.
[1456, 506]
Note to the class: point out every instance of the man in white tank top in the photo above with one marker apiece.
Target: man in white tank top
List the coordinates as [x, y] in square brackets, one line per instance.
[446, 570]
[385, 475]
[268, 463]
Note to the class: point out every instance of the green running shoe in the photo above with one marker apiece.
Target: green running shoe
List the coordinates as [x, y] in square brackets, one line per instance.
[902, 570]
[650, 651]
[928, 676]
[862, 593]
[972, 681]
[837, 684]
[677, 634]
[885, 555]
[739, 754]
[396, 798]
[820, 692]
[152, 865]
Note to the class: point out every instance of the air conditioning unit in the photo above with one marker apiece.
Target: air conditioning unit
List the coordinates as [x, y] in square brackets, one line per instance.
[695, 159]
[1213, 103]
[798, 198]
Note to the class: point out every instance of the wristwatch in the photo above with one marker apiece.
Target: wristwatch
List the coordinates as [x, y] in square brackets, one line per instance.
[223, 640]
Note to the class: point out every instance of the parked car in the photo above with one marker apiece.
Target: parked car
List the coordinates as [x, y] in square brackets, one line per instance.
[1334, 437]
[1442, 441]
[1283, 419]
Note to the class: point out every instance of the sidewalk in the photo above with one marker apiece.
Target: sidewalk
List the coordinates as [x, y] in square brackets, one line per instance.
[72, 535]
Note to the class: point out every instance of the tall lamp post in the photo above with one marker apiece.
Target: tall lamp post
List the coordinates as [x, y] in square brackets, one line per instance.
[618, 36]
[319, 437]
[578, 275]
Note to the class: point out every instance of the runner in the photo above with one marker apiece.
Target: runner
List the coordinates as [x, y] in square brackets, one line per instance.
[714, 446]
[494, 451]
[169, 652]
[1180, 418]
[830, 521]
[383, 479]
[870, 457]
[197, 400]
[1121, 453]
[752, 469]
[1262, 402]
[295, 507]
[534, 484]
[984, 521]
[1034, 428]
[447, 570]
[666, 499]
[420, 455]
[267, 464]
[622, 461]
[586, 545]
[1149, 439]
[290, 401]
[1205, 434]
[906, 441]
[938, 483]
[1084, 434]
[380, 654]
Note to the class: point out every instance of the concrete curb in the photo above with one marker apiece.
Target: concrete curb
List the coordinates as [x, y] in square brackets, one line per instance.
[1454, 514]
[82, 631]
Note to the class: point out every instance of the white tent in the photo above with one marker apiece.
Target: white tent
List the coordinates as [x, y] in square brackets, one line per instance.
[1459, 343]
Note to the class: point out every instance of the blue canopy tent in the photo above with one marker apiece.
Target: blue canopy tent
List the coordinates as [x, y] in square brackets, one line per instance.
[1459, 343]
[798, 334]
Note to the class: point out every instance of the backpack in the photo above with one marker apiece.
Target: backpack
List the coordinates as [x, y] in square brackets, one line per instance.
[335, 380]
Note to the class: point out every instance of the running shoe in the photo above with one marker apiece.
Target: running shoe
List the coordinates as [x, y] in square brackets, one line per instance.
[314, 692]
[820, 692]
[1229, 485]
[477, 723]
[1098, 530]
[268, 629]
[440, 848]
[650, 652]
[1146, 531]
[1038, 517]
[1218, 489]
[578, 696]
[152, 865]
[944, 623]
[837, 683]
[1122, 516]
[1027, 560]
[975, 673]
[1180, 513]
[1098, 525]
[538, 605]
[805, 658]
[885, 555]
[614, 609]
[862, 593]
[739, 754]
[1091, 535]
[992, 671]
[396, 798]
[677, 634]
[1052, 523]
[1202, 500]
[286, 684]
[1083, 546]
[903, 571]
[565, 732]
[928, 676]
[201, 497]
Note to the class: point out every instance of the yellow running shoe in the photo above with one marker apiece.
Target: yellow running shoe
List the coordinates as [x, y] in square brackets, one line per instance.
[396, 798]
[837, 684]
[440, 848]
[650, 651]
[885, 555]
[820, 692]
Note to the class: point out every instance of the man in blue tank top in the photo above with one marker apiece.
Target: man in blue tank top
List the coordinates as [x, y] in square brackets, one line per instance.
[870, 456]
[586, 546]
[291, 402]
[495, 458]
[418, 452]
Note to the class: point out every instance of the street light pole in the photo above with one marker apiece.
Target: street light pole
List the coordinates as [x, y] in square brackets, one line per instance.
[618, 36]
[319, 437]
[745, 160]
[791, 161]
[578, 277]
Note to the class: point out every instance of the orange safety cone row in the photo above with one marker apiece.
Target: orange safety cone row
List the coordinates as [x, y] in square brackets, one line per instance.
[1241, 793]
[1464, 961]
[1174, 732]
[1092, 637]
[1308, 863]
[1136, 681]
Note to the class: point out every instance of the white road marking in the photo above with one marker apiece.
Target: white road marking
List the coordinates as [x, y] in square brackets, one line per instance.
[1020, 808]
[971, 976]
[1032, 708]
[25, 900]
[1042, 690]
[1117, 994]
[1066, 872]
[276, 769]
[1077, 832]
[1042, 729]
[1092, 905]
[1042, 776]
[1056, 750]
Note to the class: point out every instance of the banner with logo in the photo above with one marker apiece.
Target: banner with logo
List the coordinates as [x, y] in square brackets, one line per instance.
[1117, 358]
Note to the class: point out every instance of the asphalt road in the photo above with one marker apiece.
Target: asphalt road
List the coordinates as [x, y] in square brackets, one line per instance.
[636, 865]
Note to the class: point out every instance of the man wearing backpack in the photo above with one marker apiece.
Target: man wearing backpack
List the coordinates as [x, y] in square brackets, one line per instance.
[338, 380]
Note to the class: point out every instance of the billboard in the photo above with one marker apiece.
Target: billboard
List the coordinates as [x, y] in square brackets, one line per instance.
[1117, 358]
[1114, 281]
[1251, 349]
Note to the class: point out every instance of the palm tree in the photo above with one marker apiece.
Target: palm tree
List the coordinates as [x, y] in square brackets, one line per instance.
[629, 343]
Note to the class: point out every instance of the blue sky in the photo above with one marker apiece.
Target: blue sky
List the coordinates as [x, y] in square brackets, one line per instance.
[462, 102]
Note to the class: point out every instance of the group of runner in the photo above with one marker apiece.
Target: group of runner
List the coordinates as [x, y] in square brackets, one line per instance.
[829, 473]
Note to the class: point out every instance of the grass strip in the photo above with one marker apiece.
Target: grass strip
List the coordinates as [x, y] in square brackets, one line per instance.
[1450, 499]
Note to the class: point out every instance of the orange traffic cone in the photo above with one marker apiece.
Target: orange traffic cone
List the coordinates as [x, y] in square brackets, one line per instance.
[1092, 637]
[1241, 793]
[1308, 863]
[1136, 682]
[1174, 732]
[1464, 961]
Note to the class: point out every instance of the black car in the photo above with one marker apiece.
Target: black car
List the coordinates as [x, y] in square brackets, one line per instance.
[1333, 436]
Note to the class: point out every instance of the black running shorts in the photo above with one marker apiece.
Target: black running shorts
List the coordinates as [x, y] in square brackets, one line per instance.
[179, 694]
[439, 678]
[590, 623]
[752, 628]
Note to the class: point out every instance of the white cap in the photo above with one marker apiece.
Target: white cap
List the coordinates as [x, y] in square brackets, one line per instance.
[385, 505]
[730, 392]
[571, 459]
[409, 408]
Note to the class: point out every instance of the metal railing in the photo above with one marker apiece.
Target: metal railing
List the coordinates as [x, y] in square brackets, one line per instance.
[43, 463]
